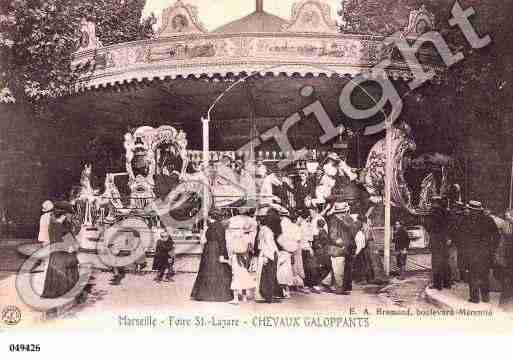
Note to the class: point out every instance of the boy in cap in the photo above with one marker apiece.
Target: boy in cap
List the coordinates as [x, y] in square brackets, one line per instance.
[164, 257]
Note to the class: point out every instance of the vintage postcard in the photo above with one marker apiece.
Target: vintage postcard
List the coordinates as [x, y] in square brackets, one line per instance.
[190, 165]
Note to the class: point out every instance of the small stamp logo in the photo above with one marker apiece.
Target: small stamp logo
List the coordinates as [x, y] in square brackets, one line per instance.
[11, 315]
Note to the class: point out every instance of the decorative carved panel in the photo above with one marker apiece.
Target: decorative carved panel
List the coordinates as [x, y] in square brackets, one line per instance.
[311, 16]
[180, 19]
[88, 39]
[420, 22]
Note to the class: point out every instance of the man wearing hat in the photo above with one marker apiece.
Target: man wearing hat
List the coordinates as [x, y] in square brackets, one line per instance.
[343, 229]
[438, 227]
[482, 238]
[44, 222]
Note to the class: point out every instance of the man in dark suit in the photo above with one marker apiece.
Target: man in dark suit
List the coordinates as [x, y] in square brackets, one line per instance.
[438, 227]
[482, 239]
[304, 188]
[343, 227]
[402, 244]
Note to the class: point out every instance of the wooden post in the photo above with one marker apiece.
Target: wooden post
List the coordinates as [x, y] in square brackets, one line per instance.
[388, 190]
[511, 186]
[206, 163]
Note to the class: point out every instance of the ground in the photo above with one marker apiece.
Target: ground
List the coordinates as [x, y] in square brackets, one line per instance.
[140, 294]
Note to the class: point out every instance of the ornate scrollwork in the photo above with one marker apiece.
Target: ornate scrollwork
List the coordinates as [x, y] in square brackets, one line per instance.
[151, 152]
[420, 22]
[311, 16]
[180, 19]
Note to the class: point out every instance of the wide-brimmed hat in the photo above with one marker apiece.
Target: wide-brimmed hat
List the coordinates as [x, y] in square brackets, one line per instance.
[340, 207]
[475, 205]
[47, 206]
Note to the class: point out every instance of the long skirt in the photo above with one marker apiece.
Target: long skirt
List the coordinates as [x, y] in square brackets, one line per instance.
[214, 278]
[266, 280]
[298, 268]
[241, 279]
[61, 275]
[285, 274]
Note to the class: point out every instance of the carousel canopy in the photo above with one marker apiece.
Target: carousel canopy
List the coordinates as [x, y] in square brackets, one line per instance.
[176, 77]
[258, 21]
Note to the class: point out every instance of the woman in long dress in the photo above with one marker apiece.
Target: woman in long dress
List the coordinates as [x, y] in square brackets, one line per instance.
[267, 281]
[239, 237]
[62, 273]
[287, 244]
[44, 223]
[214, 276]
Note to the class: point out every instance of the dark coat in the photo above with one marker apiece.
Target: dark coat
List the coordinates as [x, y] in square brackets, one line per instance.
[482, 236]
[342, 229]
[401, 239]
[214, 278]
[320, 246]
[62, 273]
[438, 227]
[282, 192]
[303, 190]
[456, 233]
[162, 255]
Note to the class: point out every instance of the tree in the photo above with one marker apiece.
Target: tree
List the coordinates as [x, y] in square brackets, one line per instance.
[38, 38]
[470, 114]
[482, 80]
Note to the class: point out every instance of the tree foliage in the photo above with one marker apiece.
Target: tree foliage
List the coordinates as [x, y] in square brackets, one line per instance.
[482, 83]
[38, 38]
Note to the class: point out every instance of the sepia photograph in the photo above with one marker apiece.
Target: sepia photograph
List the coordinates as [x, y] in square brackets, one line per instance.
[252, 165]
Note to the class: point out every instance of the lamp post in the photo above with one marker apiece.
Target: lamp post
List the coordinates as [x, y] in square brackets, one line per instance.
[388, 190]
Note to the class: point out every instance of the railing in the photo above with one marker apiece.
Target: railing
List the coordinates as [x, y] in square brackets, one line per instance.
[315, 155]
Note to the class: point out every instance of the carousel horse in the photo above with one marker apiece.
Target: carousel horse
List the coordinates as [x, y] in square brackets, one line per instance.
[88, 200]
[428, 191]
[111, 198]
[375, 168]
[228, 187]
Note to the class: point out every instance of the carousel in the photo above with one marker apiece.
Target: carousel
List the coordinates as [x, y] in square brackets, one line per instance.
[225, 108]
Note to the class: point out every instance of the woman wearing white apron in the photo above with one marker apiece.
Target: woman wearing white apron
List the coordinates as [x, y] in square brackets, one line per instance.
[44, 223]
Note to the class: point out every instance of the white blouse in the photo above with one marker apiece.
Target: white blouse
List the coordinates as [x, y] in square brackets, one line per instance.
[44, 226]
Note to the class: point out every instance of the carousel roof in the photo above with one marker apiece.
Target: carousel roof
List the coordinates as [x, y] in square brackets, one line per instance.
[177, 76]
[309, 42]
[259, 21]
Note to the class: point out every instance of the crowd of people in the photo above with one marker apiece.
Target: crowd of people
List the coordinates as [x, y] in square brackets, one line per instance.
[468, 244]
[313, 247]
[320, 244]
[288, 252]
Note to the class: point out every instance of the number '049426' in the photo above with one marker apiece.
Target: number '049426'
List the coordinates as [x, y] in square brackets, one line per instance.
[24, 348]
